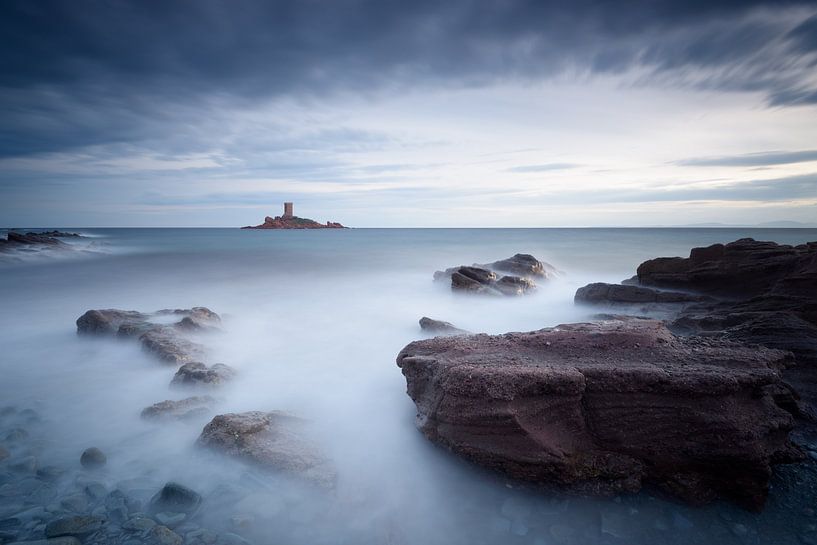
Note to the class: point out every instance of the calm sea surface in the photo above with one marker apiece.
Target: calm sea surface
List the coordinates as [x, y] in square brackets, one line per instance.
[313, 321]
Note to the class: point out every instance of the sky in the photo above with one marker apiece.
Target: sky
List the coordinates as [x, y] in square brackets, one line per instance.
[461, 113]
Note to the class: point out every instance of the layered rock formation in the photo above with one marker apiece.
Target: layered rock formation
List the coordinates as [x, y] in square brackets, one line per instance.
[488, 279]
[607, 407]
[747, 290]
[294, 222]
[275, 441]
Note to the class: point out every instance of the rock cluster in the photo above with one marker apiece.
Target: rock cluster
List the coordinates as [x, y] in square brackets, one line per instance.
[483, 279]
[607, 407]
[171, 344]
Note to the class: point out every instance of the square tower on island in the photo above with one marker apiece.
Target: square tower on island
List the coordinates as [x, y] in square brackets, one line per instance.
[288, 210]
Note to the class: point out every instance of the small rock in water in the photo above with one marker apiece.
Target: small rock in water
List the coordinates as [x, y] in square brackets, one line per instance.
[4, 454]
[93, 458]
[162, 535]
[175, 498]
[171, 520]
[96, 490]
[78, 503]
[74, 526]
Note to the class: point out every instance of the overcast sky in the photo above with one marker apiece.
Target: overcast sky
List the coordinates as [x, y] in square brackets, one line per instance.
[407, 113]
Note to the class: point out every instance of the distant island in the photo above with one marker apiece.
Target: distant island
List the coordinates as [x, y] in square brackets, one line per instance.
[290, 221]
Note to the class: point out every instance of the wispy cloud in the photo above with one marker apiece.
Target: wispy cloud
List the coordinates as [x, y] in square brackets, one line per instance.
[544, 167]
[761, 159]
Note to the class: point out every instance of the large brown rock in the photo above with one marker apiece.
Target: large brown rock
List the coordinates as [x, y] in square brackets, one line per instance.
[196, 374]
[606, 407]
[272, 440]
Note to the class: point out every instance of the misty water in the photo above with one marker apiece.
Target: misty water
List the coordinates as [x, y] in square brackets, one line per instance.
[313, 321]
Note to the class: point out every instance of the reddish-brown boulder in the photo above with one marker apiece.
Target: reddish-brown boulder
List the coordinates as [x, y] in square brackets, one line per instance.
[606, 407]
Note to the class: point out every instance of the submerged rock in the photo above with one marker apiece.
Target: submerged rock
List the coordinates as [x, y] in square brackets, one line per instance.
[273, 440]
[93, 458]
[440, 327]
[606, 407]
[183, 409]
[197, 374]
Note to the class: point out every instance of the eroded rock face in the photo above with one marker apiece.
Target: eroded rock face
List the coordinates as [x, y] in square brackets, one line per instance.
[196, 374]
[606, 407]
[273, 440]
[168, 342]
[183, 409]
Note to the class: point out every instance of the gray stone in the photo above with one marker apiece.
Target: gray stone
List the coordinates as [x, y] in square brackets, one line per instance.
[93, 458]
[4, 454]
[96, 490]
[74, 526]
[78, 503]
[175, 498]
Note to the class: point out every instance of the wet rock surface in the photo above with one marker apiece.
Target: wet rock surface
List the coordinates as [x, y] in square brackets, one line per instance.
[606, 407]
[93, 458]
[273, 440]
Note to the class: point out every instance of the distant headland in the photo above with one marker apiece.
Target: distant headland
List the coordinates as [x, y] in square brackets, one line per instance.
[290, 221]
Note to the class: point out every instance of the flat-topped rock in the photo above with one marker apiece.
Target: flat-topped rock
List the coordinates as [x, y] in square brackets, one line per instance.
[606, 407]
[272, 440]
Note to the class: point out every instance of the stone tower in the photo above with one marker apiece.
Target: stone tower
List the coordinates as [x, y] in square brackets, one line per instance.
[288, 210]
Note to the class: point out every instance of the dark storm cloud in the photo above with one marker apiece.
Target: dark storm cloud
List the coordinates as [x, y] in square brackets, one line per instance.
[763, 159]
[79, 73]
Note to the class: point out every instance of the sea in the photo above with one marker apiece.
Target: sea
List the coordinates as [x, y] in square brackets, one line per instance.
[312, 322]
